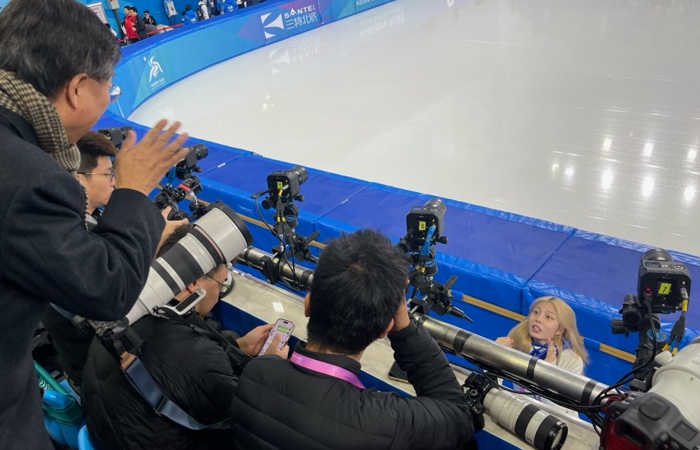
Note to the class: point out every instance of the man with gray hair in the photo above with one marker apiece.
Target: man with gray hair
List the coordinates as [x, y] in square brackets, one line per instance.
[55, 83]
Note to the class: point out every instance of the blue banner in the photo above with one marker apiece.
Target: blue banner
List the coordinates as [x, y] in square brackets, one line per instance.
[290, 18]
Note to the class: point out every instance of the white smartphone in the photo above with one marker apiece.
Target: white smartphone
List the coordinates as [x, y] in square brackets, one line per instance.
[284, 328]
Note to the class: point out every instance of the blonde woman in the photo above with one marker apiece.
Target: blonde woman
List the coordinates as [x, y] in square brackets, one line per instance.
[549, 332]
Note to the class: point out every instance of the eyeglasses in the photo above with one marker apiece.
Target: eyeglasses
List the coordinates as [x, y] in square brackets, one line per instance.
[114, 90]
[226, 286]
[110, 174]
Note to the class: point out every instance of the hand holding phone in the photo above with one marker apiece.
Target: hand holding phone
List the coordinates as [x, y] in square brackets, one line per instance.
[284, 329]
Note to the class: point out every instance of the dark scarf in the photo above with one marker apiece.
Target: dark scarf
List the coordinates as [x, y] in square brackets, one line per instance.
[24, 100]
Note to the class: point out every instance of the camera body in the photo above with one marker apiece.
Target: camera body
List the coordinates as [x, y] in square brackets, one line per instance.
[420, 220]
[116, 135]
[284, 185]
[660, 281]
[647, 421]
[171, 196]
[659, 286]
[184, 168]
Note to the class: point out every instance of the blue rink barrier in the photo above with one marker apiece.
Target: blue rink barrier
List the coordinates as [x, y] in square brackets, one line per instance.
[503, 260]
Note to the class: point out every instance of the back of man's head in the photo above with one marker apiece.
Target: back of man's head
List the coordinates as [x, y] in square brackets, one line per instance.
[47, 43]
[359, 283]
[92, 146]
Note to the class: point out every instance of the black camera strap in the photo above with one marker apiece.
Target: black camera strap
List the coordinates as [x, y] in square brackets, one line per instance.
[129, 346]
[143, 382]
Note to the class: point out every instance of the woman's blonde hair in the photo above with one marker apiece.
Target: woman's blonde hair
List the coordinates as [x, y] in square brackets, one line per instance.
[567, 322]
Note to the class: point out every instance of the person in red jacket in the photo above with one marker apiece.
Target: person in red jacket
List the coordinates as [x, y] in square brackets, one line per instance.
[130, 26]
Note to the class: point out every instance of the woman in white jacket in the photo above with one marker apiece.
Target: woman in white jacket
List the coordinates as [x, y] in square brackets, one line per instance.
[549, 332]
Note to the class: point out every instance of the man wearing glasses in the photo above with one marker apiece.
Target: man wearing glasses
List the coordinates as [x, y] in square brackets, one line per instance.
[96, 173]
[195, 367]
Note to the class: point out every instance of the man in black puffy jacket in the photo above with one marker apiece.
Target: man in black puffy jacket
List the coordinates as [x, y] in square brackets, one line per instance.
[195, 368]
[315, 401]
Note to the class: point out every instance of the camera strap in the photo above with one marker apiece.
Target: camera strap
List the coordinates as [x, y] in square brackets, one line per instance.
[129, 346]
[326, 369]
[143, 382]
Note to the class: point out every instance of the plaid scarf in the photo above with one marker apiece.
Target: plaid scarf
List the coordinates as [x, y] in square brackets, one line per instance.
[24, 100]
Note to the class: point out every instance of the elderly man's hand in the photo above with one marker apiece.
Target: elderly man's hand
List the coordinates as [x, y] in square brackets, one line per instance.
[140, 166]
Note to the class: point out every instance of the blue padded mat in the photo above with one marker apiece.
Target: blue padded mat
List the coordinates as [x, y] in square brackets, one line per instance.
[488, 248]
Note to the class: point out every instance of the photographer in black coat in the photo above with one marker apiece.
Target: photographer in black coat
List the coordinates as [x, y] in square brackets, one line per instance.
[55, 82]
[315, 401]
[194, 366]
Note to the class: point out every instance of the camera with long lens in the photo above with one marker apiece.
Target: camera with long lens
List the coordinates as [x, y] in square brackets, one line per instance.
[219, 236]
[523, 418]
[173, 192]
[665, 417]
[116, 135]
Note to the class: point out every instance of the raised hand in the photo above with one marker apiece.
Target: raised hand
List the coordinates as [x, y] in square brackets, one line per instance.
[140, 166]
[508, 342]
[551, 356]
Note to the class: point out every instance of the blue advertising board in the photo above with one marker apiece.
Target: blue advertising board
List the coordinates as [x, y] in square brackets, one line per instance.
[288, 19]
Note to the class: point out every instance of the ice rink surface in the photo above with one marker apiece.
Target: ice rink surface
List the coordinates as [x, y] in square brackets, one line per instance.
[585, 113]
